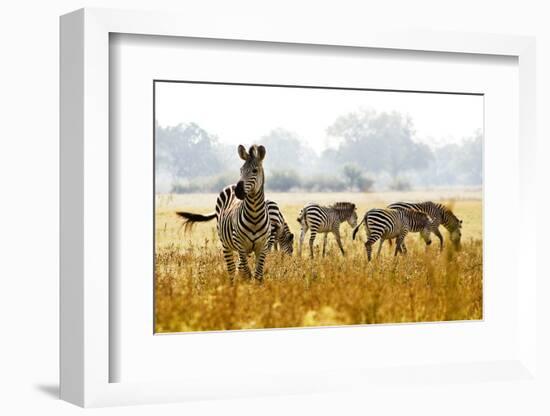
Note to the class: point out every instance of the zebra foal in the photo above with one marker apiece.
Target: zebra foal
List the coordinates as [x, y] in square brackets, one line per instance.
[281, 236]
[242, 216]
[440, 215]
[383, 224]
[321, 219]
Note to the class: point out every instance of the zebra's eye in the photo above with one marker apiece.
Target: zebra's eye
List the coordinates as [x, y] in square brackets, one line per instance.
[254, 171]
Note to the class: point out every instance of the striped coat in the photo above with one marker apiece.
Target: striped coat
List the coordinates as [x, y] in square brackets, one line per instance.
[281, 236]
[383, 224]
[322, 219]
[242, 216]
[440, 215]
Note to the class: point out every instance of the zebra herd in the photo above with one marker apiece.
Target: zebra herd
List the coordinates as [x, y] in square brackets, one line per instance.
[248, 223]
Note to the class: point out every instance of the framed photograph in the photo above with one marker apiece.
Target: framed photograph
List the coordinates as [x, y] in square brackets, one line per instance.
[258, 212]
[331, 162]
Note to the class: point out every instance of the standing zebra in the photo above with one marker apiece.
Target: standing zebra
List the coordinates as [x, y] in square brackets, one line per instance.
[320, 219]
[439, 214]
[386, 224]
[243, 218]
[280, 231]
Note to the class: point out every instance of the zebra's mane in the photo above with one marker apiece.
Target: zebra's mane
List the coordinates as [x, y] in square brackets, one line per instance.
[418, 216]
[452, 219]
[344, 208]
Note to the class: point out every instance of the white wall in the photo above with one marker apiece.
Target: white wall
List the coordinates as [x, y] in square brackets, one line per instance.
[29, 173]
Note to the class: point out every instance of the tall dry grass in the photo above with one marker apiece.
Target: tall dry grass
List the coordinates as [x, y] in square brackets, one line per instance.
[193, 292]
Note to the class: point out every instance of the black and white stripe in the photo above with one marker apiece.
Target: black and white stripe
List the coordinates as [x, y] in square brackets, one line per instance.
[243, 219]
[281, 236]
[440, 215]
[321, 219]
[383, 224]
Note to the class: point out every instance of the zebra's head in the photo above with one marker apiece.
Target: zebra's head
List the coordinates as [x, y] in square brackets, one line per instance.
[426, 223]
[287, 240]
[425, 233]
[352, 220]
[456, 234]
[252, 171]
[347, 211]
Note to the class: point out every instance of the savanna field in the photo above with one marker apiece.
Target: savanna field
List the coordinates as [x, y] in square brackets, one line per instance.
[193, 292]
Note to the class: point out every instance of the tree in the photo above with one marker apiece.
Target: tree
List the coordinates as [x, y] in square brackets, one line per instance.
[379, 142]
[459, 164]
[186, 151]
[355, 179]
[283, 181]
[285, 151]
[352, 173]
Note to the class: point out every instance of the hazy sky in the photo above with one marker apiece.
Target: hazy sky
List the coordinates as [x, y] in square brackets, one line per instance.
[243, 114]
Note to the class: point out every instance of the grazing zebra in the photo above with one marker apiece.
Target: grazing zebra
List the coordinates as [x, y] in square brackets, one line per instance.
[320, 219]
[439, 214]
[383, 224]
[280, 231]
[243, 218]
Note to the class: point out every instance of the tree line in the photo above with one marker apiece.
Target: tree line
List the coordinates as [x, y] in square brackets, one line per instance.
[371, 151]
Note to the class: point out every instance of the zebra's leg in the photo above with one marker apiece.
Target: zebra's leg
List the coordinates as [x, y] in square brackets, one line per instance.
[325, 238]
[339, 241]
[244, 270]
[312, 235]
[229, 261]
[260, 259]
[368, 246]
[399, 243]
[438, 235]
[302, 236]
[380, 247]
[272, 240]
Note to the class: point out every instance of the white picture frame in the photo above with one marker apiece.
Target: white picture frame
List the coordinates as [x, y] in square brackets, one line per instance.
[85, 166]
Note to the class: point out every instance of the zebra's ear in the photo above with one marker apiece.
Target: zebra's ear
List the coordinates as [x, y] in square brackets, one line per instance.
[261, 153]
[242, 152]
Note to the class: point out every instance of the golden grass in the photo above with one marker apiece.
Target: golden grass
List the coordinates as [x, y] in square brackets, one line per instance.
[193, 292]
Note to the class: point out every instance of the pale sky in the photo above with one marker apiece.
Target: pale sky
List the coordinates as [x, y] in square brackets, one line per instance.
[243, 114]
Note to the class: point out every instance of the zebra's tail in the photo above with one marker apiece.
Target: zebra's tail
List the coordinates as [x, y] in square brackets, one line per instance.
[357, 228]
[190, 219]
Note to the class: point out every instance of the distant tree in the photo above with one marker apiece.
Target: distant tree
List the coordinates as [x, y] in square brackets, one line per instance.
[355, 179]
[459, 163]
[324, 183]
[285, 151]
[471, 161]
[352, 173]
[283, 181]
[217, 183]
[379, 142]
[365, 184]
[186, 151]
[400, 184]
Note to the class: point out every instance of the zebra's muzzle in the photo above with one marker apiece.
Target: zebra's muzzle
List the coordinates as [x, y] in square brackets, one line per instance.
[239, 190]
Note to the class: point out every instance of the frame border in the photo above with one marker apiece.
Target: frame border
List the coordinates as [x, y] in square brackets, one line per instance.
[84, 207]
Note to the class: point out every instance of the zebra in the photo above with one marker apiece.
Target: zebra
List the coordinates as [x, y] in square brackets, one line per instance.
[321, 219]
[440, 214]
[242, 216]
[383, 224]
[280, 231]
